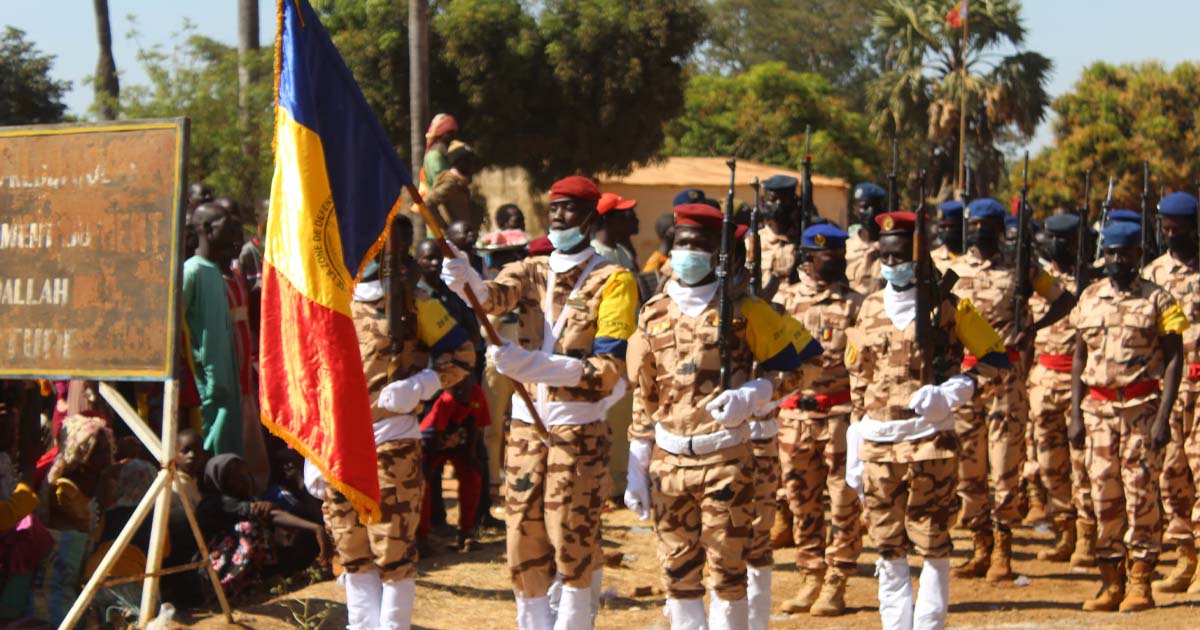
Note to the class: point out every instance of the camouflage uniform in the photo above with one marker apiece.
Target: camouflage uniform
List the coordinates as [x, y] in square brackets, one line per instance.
[942, 257]
[388, 546]
[813, 443]
[555, 489]
[862, 265]
[1121, 335]
[1059, 466]
[1181, 458]
[992, 427]
[778, 254]
[703, 505]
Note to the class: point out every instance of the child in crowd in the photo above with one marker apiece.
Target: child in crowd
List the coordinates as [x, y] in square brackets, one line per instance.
[451, 432]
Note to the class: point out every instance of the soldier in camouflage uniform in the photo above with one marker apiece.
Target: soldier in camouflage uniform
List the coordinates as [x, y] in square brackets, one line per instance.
[380, 560]
[862, 249]
[1060, 467]
[812, 431]
[780, 205]
[556, 484]
[1177, 271]
[950, 234]
[902, 451]
[992, 427]
[690, 441]
[1129, 336]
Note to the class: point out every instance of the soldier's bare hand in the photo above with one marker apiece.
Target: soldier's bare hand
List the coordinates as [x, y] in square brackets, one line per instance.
[1160, 435]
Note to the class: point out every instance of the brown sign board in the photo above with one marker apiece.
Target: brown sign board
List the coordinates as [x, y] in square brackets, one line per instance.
[90, 225]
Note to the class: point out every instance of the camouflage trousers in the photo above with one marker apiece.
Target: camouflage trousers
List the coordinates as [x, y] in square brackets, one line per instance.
[910, 506]
[1176, 480]
[813, 453]
[766, 485]
[991, 430]
[553, 499]
[389, 545]
[702, 518]
[1061, 468]
[1124, 470]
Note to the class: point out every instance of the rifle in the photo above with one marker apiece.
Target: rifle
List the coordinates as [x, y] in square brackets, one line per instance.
[755, 263]
[1104, 208]
[1147, 224]
[892, 175]
[399, 306]
[1081, 273]
[725, 279]
[931, 341]
[437, 225]
[806, 192]
[1021, 295]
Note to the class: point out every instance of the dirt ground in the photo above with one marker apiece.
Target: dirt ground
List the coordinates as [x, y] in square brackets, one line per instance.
[456, 591]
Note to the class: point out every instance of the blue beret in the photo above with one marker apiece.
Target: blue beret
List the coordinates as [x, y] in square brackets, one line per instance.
[824, 236]
[780, 182]
[689, 195]
[867, 191]
[1122, 234]
[1010, 221]
[1177, 204]
[1124, 216]
[985, 208]
[950, 211]
[1062, 224]
[710, 202]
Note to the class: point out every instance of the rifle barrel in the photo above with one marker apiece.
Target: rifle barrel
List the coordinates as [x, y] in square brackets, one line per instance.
[724, 277]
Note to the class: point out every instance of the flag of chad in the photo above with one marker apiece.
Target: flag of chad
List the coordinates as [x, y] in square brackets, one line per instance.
[337, 182]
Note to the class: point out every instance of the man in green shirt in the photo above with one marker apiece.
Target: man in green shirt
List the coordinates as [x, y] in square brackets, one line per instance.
[210, 328]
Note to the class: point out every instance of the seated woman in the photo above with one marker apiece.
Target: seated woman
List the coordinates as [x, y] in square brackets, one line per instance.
[124, 490]
[239, 528]
[451, 432]
[24, 541]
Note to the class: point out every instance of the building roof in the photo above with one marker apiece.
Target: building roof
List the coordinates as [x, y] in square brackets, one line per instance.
[709, 172]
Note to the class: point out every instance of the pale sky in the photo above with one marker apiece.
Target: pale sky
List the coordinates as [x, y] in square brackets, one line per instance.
[1073, 33]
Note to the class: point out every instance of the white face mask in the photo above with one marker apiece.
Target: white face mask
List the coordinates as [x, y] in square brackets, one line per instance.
[564, 240]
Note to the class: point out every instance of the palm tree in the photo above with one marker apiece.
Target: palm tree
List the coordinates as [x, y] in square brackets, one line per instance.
[108, 89]
[920, 91]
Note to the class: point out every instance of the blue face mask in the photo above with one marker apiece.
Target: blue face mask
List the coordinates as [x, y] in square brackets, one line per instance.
[564, 240]
[691, 265]
[899, 276]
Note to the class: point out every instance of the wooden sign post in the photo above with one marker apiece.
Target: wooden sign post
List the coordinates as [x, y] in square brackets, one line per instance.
[90, 247]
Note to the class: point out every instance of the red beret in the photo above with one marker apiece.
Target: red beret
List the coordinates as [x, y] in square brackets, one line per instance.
[574, 187]
[540, 246]
[896, 222]
[699, 215]
[613, 201]
[740, 232]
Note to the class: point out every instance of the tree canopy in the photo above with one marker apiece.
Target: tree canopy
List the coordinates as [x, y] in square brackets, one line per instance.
[919, 93]
[28, 96]
[1115, 117]
[761, 115]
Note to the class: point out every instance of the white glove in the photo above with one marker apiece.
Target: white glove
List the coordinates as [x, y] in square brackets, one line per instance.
[733, 406]
[403, 396]
[935, 402]
[457, 273]
[314, 482]
[637, 478]
[535, 366]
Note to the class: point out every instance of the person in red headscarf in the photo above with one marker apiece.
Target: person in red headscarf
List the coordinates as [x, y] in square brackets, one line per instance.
[443, 129]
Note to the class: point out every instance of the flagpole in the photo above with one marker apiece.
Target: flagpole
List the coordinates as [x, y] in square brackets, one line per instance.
[962, 114]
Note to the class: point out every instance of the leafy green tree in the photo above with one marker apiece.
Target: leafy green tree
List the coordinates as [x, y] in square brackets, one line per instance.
[761, 115]
[920, 91]
[578, 86]
[198, 78]
[28, 95]
[1115, 117]
[826, 37]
